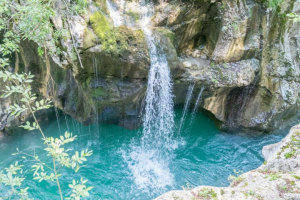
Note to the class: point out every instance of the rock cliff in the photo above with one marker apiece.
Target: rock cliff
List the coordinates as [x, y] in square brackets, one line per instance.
[245, 55]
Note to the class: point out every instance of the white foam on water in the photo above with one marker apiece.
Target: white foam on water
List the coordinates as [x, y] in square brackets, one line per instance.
[150, 172]
[149, 158]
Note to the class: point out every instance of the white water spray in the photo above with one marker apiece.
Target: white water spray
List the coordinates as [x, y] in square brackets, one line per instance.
[148, 160]
[159, 114]
[114, 13]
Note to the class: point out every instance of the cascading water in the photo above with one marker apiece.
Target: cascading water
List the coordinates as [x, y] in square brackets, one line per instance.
[148, 159]
[186, 104]
[114, 13]
[159, 114]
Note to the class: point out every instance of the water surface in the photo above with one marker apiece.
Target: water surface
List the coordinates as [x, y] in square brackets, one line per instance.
[204, 155]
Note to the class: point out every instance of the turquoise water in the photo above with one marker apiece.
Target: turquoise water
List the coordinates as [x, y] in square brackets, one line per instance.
[204, 155]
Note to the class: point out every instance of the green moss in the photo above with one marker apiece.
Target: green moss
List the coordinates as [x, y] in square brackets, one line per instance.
[113, 40]
[235, 179]
[290, 154]
[273, 4]
[222, 192]
[291, 147]
[207, 194]
[296, 177]
[273, 176]
[102, 5]
[134, 15]
[89, 39]
[167, 33]
[99, 92]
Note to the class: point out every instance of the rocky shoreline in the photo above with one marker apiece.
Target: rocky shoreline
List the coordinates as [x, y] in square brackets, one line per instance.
[278, 178]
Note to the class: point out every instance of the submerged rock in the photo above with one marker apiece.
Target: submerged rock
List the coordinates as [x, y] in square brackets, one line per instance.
[278, 178]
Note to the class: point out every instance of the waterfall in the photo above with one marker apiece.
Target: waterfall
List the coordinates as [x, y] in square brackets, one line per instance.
[196, 106]
[159, 114]
[148, 159]
[114, 13]
[186, 105]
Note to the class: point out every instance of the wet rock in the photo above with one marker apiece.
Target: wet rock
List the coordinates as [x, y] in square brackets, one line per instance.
[244, 56]
[278, 178]
[262, 97]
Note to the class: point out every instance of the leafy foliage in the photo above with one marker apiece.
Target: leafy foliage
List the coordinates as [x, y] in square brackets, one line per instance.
[79, 189]
[293, 16]
[32, 20]
[19, 84]
[55, 149]
[236, 178]
[12, 182]
[273, 4]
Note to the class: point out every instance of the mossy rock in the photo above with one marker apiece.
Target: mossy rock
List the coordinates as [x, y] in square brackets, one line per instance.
[114, 40]
[134, 15]
[102, 5]
[168, 34]
[97, 92]
[89, 39]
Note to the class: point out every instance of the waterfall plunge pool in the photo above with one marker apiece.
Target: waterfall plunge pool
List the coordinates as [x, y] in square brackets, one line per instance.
[204, 156]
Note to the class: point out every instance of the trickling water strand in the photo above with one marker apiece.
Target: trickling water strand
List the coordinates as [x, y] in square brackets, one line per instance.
[196, 106]
[57, 119]
[73, 125]
[186, 105]
[51, 88]
[95, 65]
[96, 76]
[114, 14]
[67, 123]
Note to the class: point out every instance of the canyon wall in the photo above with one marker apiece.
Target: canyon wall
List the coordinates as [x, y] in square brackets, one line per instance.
[245, 55]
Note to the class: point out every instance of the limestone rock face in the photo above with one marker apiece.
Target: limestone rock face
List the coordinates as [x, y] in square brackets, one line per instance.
[278, 178]
[245, 56]
[278, 94]
[109, 80]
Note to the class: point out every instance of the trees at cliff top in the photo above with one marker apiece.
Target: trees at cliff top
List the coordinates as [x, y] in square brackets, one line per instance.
[32, 20]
